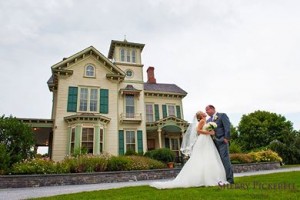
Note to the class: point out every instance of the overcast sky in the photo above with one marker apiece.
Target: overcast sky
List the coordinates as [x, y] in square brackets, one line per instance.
[238, 55]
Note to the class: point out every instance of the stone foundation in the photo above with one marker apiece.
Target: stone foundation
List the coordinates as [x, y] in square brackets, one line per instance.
[19, 181]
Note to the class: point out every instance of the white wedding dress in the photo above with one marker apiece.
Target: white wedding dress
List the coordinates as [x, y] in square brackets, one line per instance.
[204, 167]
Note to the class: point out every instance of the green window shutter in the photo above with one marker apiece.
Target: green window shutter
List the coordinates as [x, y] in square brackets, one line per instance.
[178, 112]
[156, 111]
[167, 143]
[72, 99]
[164, 109]
[104, 101]
[140, 141]
[121, 142]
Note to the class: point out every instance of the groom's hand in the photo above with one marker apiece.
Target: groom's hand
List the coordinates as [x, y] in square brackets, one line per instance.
[226, 141]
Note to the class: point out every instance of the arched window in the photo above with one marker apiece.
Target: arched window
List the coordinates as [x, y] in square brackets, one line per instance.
[90, 71]
[122, 55]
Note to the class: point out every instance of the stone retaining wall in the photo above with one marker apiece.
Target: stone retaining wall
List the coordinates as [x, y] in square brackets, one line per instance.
[19, 181]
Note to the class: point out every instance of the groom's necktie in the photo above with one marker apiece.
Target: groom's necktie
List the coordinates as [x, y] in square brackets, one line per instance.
[210, 119]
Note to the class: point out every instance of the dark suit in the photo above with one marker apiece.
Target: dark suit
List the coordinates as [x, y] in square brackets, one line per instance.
[221, 132]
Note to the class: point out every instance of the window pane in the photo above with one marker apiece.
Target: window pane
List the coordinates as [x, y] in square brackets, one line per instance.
[133, 56]
[171, 110]
[149, 113]
[128, 56]
[87, 139]
[89, 71]
[93, 100]
[83, 99]
[129, 106]
[122, 55]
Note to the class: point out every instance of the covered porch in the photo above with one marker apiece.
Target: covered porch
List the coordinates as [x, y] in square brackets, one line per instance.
[166, 133]
[42, 129]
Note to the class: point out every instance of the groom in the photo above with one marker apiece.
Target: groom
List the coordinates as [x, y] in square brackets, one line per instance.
[221, 140]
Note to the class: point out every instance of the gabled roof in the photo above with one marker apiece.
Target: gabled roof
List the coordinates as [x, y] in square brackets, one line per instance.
[63, 67]
[125, 43]
[163, 88]
[66, 62]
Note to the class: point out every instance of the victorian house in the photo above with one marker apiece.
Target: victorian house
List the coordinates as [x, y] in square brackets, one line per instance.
[102, 104]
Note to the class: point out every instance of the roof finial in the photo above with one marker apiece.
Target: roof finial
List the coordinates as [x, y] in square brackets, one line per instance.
[125, 38]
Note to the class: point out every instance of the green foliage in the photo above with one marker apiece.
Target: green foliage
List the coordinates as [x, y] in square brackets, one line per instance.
[85, 163]
[234, 147]
[164, 155]
[238, 158]
[120, 163]
[18, 139]
[131, 152]
[288, 148]
[34, 166]
[144, 163]
[258, 129]
[258, 156]
[4, 159]
[265, 156]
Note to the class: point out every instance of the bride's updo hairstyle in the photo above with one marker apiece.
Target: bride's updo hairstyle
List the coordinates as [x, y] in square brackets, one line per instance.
[199, 115]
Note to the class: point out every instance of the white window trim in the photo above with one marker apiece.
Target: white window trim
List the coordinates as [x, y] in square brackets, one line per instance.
[135, 136]
[85, 68]
[174, 105]
[82, 127]
[153, 109]
[134, 105]
[88, 100]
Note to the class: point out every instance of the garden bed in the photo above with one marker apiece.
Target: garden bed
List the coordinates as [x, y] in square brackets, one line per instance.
[19, 181]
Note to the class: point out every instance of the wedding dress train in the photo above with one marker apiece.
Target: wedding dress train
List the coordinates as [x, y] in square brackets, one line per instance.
[204, 167]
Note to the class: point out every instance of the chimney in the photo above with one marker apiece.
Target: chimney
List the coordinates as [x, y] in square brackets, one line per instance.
[150, 72]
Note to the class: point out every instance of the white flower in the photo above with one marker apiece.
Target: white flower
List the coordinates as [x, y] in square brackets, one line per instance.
[210, 126]
[215, 117]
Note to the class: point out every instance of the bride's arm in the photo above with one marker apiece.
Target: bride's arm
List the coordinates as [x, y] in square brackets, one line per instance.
[200, 127]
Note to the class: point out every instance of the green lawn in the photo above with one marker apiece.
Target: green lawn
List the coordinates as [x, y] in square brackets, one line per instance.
[272, 186]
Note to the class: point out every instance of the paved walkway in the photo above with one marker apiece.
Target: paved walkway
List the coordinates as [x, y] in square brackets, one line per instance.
[25, 193]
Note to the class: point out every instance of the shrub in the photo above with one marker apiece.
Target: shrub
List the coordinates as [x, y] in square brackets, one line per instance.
[164, 155]
[4, 159]
[237, 158]
[265, 156]
[290, 152]
[144, 163]
[131, 152]
[34, 166]
[120, 163]
[84, 163]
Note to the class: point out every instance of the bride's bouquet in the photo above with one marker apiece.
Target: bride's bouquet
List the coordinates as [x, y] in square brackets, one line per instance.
[210, 126]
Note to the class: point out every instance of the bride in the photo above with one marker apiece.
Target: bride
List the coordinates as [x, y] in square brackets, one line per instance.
[204, 167]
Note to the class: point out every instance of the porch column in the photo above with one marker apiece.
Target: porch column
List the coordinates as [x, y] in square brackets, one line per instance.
[159, 138]
[97, 140]
[78, 132]
[69, 140]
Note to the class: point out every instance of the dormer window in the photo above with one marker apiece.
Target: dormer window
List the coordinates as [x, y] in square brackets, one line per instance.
[90, 71]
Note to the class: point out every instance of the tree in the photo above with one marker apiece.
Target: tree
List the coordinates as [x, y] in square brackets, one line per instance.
[258, 129]
[18, 139]
[288, 148]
